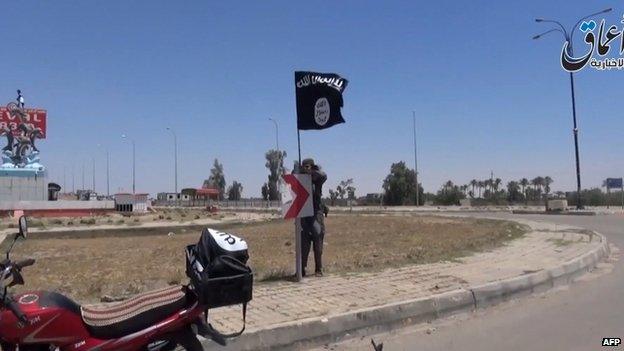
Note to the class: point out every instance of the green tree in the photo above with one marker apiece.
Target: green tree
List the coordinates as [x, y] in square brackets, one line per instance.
[216, 179]
[537, 187]
[399, 188]
[346, 188]
[265, 192]
[524, 183]
[473, 183]
[449, 194]
[513, 192]
[333, 196]
[275, 165]
[547, 181]
[235, 191]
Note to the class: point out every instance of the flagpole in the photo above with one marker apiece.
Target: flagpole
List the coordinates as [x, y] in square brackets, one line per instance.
[299, 145]
[298, 229]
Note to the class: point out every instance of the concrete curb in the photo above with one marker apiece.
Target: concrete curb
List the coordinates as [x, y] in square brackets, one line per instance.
[325, 329]
[565, 213]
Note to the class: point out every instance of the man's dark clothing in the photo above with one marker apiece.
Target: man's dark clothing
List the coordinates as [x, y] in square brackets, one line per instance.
[313, 233]
[313, 227]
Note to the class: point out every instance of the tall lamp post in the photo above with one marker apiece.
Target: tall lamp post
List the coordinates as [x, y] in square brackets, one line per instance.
[93, 173]
[276, 133]
[415, 160]
[175, 157]
[124, 136]
[568, 38]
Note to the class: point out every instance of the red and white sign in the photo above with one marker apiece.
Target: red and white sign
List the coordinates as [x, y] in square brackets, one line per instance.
[297, 196]
[36, 118]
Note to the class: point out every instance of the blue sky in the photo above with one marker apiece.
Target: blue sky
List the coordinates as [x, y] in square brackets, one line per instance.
[486, 96]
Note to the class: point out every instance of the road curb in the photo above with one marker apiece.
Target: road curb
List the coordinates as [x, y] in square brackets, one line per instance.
[380, 318]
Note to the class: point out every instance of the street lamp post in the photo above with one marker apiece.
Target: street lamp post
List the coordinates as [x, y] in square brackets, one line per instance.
[107, 173]
[83, 186]
[276, 133]
[124, 136]
[568, 37]
[93, 171]
[175, 157]
[415, 160]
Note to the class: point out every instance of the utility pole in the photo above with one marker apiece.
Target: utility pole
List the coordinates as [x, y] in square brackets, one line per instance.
[107, 173]
[93, 181]
[83, 175]
[415, 161]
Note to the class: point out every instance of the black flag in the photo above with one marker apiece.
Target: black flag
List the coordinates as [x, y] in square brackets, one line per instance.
[319, 99]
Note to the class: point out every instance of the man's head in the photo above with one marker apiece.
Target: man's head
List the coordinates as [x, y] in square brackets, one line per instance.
[307, 165]
[19, 91]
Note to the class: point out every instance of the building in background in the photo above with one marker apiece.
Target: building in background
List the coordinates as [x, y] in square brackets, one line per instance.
[129, 203]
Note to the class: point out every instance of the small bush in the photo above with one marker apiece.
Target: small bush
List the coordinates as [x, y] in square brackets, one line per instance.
[35, 223]
[70, 223]
[87, 221]
[197, 217]
[168, 218]
[121, 221]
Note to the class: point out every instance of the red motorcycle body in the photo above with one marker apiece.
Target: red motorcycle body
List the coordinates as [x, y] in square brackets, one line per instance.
[54, 319]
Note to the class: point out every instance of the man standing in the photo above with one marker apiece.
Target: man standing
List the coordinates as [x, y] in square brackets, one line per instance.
[313, 228]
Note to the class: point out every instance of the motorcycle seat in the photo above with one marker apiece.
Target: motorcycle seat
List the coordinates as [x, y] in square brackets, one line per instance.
[117, 319]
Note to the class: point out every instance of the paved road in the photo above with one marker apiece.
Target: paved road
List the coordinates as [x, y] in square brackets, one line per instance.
[572, 318]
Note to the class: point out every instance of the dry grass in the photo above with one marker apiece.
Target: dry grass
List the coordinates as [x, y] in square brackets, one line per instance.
[139, 259]
[162, 215]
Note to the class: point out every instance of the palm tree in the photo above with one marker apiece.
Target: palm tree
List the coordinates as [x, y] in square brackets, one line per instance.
[448, 185]
[489, 184]
[512, 189]
[480, 185]
[497, 183]
[536, 183]
[474, 182]
[463, 188]
[547, 181]
[524, 182]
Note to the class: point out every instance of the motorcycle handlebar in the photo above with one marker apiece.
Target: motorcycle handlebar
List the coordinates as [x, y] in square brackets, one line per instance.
[14, 307]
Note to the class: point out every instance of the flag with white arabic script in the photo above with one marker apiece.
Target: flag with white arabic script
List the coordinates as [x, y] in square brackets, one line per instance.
[319, 99]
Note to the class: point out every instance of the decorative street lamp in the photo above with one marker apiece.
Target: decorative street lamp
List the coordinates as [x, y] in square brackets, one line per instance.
[568, 37]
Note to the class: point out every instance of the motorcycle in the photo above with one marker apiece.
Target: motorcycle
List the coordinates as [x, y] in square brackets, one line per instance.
[159, 320]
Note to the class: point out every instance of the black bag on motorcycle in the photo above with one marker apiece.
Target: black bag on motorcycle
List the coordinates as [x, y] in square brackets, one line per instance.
[217, 267]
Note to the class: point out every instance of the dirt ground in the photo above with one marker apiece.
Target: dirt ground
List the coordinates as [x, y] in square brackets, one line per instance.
[135, 259]
[160, 215]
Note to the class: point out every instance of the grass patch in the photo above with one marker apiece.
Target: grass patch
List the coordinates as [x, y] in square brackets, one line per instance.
[87, 221]
[127, 261]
